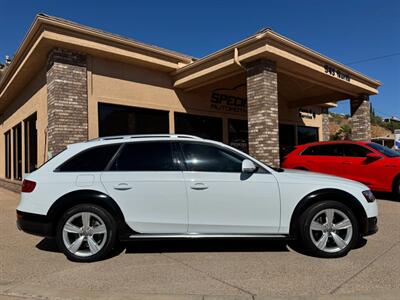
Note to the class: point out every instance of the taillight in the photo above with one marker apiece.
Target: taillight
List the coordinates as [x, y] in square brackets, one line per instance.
[28, 186]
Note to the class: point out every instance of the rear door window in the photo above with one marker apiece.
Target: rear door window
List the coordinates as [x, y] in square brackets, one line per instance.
[324, 150]
[146, 156]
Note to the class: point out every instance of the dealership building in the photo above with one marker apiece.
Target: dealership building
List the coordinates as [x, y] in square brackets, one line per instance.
[68, 83]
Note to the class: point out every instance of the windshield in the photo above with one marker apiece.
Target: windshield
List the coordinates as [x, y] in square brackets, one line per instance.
[384, 150]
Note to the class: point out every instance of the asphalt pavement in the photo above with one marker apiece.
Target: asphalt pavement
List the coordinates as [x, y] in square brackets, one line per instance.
[32, 267]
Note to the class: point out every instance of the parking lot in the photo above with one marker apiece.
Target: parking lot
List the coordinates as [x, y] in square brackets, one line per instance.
[31, 267]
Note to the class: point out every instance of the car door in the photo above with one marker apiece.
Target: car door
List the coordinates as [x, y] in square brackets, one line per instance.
[323, 159]
[146, 181]
[357, 166]
[222, 199]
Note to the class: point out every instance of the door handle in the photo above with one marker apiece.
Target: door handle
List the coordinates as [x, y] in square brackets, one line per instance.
[122, 187]
[199, 186]
[346, 163]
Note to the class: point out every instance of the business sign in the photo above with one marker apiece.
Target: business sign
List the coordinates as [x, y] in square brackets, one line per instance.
[229, 99]
[336, 73]
[307, 113]
[397, 139]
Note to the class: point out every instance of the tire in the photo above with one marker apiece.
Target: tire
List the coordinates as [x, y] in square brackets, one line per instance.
[88, 243]
[396, 188]
[323, 240]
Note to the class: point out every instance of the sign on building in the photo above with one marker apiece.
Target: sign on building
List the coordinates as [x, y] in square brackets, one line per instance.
[397, 139]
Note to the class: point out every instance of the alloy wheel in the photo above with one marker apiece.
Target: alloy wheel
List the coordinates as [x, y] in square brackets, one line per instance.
[331, 230]
[84, 234]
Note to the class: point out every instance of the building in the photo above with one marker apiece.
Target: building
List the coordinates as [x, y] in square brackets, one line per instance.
[68, 83]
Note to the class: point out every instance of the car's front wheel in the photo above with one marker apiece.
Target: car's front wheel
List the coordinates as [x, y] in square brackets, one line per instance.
[86, 233]
[328, 229]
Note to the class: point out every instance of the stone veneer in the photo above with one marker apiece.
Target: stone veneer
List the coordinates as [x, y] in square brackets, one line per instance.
[67, 100]
[325, 125]
[360, 118]
[262, 111]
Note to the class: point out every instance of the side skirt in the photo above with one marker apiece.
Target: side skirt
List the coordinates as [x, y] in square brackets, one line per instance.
[207, 236]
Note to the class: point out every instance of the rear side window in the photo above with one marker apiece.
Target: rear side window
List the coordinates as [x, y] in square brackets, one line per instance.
[324, 150]
[146, 156]
[209, 158]
[91, 160]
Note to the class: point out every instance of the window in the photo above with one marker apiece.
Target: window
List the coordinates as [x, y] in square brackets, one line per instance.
[146, 156]
[91, 160]
[120, 120]
[30, 138]
[384, 150]
[17, 152]
[205, 127]
[209, 158]
[7, 151]
[324, 150]
[351, 150]
[238, 134]
[287, 139]
[306, 135]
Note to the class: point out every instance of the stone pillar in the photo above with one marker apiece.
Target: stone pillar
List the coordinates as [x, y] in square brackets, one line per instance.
[360, 118]
[262, 111]
[67, 99]
[325, 125]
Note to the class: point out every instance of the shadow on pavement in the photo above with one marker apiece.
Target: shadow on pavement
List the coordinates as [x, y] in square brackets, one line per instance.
[196, 246]
[206, 245]
[386, 196]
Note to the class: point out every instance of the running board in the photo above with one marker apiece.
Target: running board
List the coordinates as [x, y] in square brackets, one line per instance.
[208, 236]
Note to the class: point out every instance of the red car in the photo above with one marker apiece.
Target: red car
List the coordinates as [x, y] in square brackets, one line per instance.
[376, 166]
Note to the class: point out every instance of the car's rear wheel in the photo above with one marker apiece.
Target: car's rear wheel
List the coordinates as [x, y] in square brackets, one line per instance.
[328, 229]
[86, 233]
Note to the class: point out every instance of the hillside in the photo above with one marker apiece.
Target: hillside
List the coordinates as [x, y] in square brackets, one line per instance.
[340, 128]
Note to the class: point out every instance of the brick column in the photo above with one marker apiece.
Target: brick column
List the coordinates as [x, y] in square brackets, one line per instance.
[262, 111]
[360, 118]
[325, 125]
[67, 99]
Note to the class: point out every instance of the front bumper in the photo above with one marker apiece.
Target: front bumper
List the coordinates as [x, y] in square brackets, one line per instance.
[34, 224]
[371, 226]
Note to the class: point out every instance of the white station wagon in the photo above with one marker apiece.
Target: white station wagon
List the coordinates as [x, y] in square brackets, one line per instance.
[122, 188]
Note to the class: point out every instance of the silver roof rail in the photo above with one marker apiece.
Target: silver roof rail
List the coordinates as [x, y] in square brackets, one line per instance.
[138, 136]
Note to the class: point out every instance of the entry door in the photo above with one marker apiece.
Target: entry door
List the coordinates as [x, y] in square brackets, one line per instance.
[224, 200]
[147, 183]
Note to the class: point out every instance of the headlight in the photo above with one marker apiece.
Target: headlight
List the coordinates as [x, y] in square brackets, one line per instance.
[369, 196]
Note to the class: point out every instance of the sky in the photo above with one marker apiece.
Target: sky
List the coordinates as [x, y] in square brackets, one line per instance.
[347, 31]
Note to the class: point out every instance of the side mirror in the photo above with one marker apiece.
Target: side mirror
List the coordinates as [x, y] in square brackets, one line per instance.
[373, 155]
[248, 166]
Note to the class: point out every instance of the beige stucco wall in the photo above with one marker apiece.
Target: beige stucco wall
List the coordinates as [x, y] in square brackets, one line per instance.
[119, 83]
[33, 98]
[124, 84]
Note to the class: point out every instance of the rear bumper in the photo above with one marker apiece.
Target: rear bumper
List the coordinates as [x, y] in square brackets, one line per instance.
[34, 224]
[371, 226]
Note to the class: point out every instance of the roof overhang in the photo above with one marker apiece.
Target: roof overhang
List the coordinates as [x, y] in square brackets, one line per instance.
[292, 59]
[47, 33]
